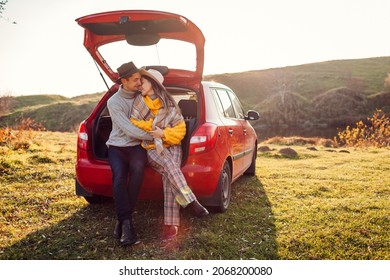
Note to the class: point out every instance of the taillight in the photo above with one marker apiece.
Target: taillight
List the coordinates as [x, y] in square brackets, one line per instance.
[82, 139]
[204, 138]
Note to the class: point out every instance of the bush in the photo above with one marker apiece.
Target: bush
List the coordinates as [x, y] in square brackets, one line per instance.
[375, 133]
[21, 138]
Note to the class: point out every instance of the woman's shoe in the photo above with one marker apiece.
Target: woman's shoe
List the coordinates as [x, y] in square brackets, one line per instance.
[197, 209]
[169, 232]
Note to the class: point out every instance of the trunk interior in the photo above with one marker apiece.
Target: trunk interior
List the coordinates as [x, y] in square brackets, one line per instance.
[187, 101]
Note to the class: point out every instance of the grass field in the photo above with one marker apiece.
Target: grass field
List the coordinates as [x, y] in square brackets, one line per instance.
[320, 204]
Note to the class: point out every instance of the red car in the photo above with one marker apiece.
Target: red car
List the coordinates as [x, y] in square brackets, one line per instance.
[220, 144]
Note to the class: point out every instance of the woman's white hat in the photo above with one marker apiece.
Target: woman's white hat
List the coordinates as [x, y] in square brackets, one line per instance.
[153, 74]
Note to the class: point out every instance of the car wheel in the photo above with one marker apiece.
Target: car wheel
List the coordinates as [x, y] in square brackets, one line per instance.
[224, 188]
[251, 171]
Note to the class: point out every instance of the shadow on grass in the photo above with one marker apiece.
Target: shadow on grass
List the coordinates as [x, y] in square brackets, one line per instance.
[245, 231]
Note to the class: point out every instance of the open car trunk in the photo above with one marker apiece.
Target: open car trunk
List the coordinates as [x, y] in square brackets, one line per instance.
[146, 30]
[185, 98]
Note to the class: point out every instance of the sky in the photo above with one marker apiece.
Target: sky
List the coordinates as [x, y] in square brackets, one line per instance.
[43, 52]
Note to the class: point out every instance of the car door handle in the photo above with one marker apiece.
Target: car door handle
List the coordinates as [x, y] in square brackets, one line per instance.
[230, 131]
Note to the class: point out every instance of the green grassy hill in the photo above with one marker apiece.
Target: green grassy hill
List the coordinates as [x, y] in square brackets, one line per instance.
[290, 95]
[24, 102]
[331, 93]
[54, 112]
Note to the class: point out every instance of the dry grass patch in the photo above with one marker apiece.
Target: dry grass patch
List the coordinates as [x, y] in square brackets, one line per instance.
[299, 140]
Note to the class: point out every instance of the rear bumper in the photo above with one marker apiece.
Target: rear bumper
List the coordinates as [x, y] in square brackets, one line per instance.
[95, 177]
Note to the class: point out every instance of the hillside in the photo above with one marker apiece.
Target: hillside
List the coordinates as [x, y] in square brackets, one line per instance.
[54, 112]
[331, 93]
[290, 95]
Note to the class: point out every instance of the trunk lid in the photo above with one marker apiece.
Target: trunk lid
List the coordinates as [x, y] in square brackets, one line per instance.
[144, 29]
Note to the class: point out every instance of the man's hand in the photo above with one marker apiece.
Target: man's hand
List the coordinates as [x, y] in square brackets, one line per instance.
[157, 133]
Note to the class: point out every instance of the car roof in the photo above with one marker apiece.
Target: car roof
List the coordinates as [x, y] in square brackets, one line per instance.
[212, 84]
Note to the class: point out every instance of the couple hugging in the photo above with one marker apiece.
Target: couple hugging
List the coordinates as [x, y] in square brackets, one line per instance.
[147, 127]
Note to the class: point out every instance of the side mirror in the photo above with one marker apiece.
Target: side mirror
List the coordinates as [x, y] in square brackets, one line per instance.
[252, 115]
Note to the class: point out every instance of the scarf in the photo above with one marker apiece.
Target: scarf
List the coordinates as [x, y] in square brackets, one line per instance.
[166, 117]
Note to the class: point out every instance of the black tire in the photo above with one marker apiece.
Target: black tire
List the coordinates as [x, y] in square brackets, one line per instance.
[224, 188]
[90, 197]
[97, 199]
[251, 171]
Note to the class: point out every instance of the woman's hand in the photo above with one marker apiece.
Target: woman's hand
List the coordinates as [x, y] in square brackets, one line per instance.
[157, 133]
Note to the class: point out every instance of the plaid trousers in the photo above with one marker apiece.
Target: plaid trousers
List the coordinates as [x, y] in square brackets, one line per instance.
[176, 191]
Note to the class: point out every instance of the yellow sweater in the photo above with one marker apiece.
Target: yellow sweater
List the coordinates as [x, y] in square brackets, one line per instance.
[172, 135]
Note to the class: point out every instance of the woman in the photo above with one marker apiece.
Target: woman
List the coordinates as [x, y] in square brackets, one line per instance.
[155, 111]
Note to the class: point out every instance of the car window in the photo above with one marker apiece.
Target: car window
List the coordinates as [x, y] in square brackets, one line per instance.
[237, 105]
[217, 101]
[177, 96]
[226, 103]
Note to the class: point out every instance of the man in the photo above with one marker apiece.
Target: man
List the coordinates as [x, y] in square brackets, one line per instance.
[125, 154]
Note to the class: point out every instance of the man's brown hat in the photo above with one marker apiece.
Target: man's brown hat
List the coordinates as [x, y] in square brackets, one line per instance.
[127, 69]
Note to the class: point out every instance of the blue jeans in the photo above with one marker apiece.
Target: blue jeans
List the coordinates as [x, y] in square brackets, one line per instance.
[125, 161]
